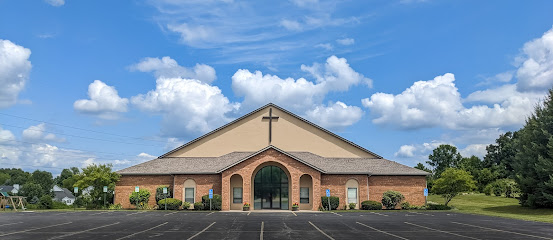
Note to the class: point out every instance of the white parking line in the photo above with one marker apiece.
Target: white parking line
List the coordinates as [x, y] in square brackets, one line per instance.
[200, 232]
[98, 213]
[170, 213]
[261, 234]
[10, 224]
[329, 237]
[421, 213]
[134, 213]
[32, 229]
[74, 233]
[249, 213]
[379, 214]
[128, 236]
[437, 230]
[378, 230]
[498, 230]
[336, 214]
[294, 214]
[210, 213]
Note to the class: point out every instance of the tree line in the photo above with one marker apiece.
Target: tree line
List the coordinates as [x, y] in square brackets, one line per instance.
[37, 186]
[519, 164]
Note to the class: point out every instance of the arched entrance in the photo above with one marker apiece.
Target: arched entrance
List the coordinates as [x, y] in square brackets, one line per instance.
[271, 188]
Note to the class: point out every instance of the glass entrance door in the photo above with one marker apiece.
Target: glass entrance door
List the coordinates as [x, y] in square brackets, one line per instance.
[271, 188]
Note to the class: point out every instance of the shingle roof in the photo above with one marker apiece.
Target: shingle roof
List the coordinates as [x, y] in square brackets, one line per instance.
[215, 165]
[59, 195]
[6, 188]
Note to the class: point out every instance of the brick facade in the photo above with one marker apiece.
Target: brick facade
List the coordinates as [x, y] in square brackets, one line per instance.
[412, 187]
[293, 168]
[371, 188]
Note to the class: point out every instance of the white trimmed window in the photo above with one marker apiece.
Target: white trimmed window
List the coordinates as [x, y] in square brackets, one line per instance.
[352, 195]
[304, 195]
[237, 195]
[189, 195]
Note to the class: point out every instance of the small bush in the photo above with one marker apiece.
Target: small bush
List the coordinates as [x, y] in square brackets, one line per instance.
[371, 205]
[352, 205]
[405, 206]
[46, 202]
[60, 205]
[334, 202]
[160, 195]
[185, 205]
[216, 202]
[140, 198]
[502, 187]
[198, 206]
[390, 199]
[433, 206]
[32, 206]
[115, 207]
[172, 204]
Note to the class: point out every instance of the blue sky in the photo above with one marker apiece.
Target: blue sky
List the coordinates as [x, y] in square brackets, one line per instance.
[120, 82]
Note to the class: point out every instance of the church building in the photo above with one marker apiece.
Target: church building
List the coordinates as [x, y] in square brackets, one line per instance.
[272, 158]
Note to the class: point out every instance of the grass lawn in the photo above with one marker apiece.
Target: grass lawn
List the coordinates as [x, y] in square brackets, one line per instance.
[496, 206]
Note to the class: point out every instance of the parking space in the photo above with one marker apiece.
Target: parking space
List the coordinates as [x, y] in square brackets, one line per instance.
[265, 225]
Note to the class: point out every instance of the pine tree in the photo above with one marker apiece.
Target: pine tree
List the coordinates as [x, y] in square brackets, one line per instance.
[533, 163]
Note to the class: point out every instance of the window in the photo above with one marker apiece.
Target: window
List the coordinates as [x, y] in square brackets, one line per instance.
[352, 195]
[304, 195]
[189, 195]
[237, 195]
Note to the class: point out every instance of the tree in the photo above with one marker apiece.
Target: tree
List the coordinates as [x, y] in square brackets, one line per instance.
[471, 164]
[500, 156]
[140, 198]
[160, 195]
[44, 179]
[31, 190]
[533, 163]
[429, 178]
[452, 182]
[3, 178]
[98, 176]
[443, 157]
[65, 174]
[484, 177]
[17, 176]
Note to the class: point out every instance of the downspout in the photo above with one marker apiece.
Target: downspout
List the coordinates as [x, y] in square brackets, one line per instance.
[368, 194]
[173, 185]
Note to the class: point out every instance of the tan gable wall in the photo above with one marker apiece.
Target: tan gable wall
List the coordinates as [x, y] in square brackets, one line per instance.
[252, 134]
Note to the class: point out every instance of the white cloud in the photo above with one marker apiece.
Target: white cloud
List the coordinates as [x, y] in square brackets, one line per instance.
[146, 156]
[291, 25]
[88, 162]
[104, 101]
[405, 151]
[437, 103]
[326, 46]
[335, 116]
[297, 94]
[346, 41]
[6, 136]
[37, 133]
[536, 71]
[187, 105]
[14, 71]
[478, 150]
[193, 35]
[304, 3]
[167, 67]
[55, 3]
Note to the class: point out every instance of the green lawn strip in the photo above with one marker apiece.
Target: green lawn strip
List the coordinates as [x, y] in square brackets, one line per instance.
[496, 206]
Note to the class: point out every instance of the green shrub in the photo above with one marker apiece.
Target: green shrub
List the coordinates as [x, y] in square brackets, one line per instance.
[32, 206]
[432, 206]
[405, 206]
[60, 205]
[352, 205]
[160, 195]
[334, 202]
[172, 204]
[216, 202]
[140, 198]
[502, 187]
[198, 206]
[46, 202]
[390, 199]
[371, 205]
[185, 205]
[115, 207]
[487, 190]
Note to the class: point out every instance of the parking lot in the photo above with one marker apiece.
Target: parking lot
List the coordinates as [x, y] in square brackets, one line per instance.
[264, 225]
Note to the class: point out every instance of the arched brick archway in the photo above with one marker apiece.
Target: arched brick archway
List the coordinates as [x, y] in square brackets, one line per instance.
[292, 167]
[271, 187]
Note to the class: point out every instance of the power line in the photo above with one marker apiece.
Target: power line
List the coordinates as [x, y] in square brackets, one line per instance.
[82, 129]
[75, 149]
[77, 136]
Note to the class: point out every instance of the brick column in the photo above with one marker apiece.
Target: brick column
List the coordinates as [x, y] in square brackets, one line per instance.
[225, 191]
[316, 179]
[294, 191]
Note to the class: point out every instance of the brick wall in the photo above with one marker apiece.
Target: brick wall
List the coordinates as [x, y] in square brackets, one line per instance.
[412, 187]
[337, 186]
[125, 187]
[293, 168]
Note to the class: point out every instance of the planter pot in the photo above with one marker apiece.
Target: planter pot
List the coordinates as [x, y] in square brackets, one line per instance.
[246, 208]
[295, 208]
